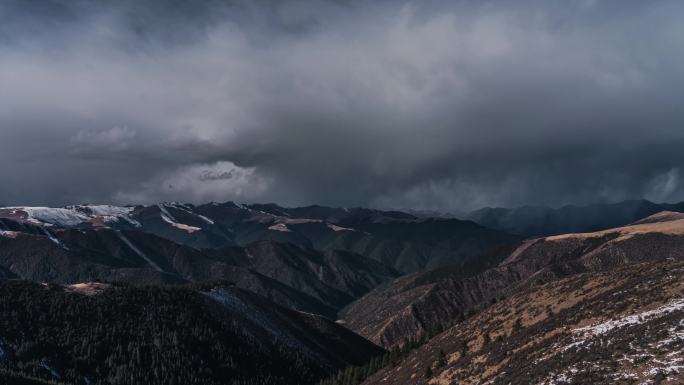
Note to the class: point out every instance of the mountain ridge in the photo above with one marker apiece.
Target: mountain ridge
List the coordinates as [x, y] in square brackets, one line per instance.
[402, 241]
[413, 306]
[542, 220]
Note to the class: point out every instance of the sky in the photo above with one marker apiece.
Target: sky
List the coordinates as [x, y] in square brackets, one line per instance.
[442, 105]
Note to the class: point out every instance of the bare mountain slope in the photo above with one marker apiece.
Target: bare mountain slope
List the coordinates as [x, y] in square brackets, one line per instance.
[414, 305]
[304, 279]
[620, 326]
[399, 240]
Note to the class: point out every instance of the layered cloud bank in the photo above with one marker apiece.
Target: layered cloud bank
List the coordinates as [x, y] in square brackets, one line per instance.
[428, 104]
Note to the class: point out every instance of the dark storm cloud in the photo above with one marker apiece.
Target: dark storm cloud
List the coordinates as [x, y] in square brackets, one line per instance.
[427, 104]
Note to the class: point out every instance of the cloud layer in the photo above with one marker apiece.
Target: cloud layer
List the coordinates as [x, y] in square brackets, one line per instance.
[424, 104]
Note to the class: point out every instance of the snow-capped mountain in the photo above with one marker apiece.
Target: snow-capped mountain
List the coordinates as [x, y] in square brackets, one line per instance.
[400, 240]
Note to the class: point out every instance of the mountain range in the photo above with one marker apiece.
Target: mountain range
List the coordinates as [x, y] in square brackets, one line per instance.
[414, 305]
[296, 295]
[402, 241]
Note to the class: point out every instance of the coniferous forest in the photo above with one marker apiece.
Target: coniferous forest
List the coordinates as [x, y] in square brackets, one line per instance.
[141, 335]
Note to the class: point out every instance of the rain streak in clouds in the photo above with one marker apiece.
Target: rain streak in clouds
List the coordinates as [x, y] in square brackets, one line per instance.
[423, 104]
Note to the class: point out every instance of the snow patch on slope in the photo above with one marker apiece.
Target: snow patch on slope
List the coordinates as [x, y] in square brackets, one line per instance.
[202, 217]
[168, 218]
[165, 213]
[137, 251]
[188, 228]
[53, 239]
[650, 358]
[53, 372]
[605, 327]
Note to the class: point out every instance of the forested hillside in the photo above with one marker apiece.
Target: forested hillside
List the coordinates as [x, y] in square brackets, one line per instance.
[97, 334]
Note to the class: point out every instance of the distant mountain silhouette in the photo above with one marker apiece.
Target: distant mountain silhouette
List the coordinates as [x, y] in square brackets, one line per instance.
[539, 220]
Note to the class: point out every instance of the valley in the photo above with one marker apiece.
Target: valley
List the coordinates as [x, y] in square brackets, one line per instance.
[325, 290]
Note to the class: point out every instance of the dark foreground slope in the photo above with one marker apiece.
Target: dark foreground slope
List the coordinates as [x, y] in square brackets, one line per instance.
[623, 326]
[416, 305]
[8, 377]
[98, 334]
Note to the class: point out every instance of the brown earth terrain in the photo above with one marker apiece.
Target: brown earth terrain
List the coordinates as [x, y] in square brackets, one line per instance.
[622, 326]
[417, 305]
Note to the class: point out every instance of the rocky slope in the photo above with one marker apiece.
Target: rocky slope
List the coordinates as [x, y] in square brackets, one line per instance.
[417, 304]
[620, 326]
[101, 334]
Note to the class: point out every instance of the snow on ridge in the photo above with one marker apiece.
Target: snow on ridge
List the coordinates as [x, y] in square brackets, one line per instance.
[53, 216]
[70, 216]
[108, 213]
[106, 210]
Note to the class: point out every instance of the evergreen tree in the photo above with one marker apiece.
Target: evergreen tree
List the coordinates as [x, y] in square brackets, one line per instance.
[441, 359]
[428, 372]
[517, 325]
[486, 340]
